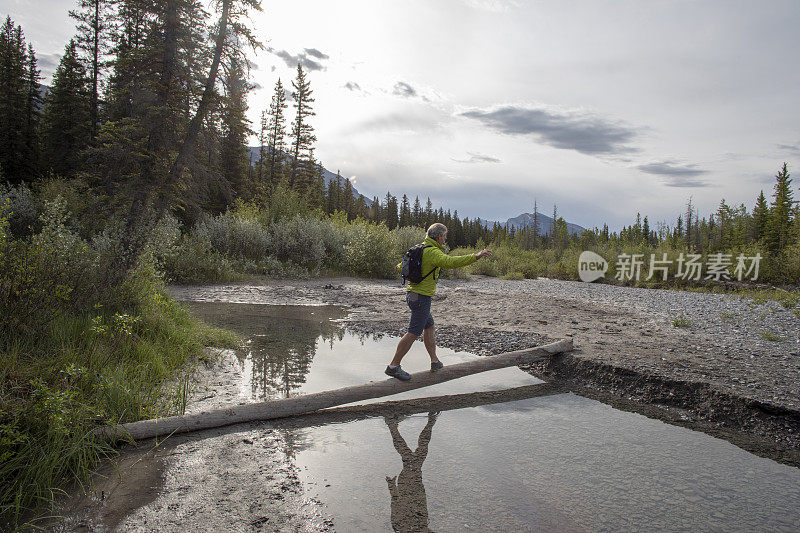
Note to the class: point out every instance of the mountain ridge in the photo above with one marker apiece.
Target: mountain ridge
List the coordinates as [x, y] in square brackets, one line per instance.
[523, 220]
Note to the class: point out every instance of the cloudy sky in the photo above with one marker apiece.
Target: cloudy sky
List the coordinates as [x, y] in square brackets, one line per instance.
[604, 108]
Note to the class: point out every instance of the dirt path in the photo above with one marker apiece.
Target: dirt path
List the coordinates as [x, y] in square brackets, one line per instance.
[719, 375]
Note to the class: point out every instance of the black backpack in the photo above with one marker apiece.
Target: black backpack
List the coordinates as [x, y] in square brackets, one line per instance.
[412, 264]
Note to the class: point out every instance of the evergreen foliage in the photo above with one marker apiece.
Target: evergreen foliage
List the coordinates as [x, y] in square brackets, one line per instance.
[303, 138]
[19, 106]
[67, 116]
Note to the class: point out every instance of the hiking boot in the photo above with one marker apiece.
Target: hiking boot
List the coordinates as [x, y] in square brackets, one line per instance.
[436, 365]
[398, 373]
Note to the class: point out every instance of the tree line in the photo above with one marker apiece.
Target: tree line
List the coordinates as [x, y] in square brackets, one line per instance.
[147, 110]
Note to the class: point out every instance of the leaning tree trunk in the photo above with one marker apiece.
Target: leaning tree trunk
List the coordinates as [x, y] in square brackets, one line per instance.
[205, 100]
[320, 400]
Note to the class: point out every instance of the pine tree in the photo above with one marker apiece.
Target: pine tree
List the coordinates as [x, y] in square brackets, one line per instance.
[94, 25]
[535, 223]
[33, 104]
[428, 213]
[348, 202]
[235, 130]
[416, 213]
[17, 74]
[391, 211]
[689, 223]
[779, 225]
[66, 121]
[405, 212]
[262, 149]
[277, 133]
[303, 137]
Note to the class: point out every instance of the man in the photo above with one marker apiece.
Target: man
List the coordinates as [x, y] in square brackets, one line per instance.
[418, 298]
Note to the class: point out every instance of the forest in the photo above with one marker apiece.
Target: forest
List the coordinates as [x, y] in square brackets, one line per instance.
[132, 169]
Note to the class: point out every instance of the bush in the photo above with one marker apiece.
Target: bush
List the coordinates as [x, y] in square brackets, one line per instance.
[406, 237]
[371, 250]
[77, 349]
[21, 208]
[299, 240]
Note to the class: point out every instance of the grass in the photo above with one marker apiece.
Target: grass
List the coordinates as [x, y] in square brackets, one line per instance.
[788, 299]
[82, 371]
[682, 322]
[728, 317]
[772, 337]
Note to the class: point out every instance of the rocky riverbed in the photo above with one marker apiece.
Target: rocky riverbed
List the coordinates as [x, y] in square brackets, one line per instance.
[731, 369]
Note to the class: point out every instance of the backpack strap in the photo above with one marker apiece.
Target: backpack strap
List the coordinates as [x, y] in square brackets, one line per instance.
[434, 268]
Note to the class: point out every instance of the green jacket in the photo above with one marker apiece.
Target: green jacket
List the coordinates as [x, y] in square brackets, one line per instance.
[435, 257]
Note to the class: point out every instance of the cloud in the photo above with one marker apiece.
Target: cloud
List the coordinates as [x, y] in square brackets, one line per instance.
[789, 148]
[315, 53]
[477, 158]
[406, 122]
[676, 175]
[352, 86]
[580, 131]
[304, 58]
[403, 89]
[495, 6]
[47, 64]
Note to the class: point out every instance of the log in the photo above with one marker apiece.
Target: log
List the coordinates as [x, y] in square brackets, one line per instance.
[160, 427]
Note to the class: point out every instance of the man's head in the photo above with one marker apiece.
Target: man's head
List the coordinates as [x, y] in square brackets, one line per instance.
[438, 232]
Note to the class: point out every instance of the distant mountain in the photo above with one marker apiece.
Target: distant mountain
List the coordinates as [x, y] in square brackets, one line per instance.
[545, 223]
[328, 175]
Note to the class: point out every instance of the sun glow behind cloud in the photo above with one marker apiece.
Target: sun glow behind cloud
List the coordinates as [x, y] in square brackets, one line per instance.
[603, 108]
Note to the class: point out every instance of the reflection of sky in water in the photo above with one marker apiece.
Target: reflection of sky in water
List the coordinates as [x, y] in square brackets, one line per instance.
[556, 463]
[553, 463]
[297, 350]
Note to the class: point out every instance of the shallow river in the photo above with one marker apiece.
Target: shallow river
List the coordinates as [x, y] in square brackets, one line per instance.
[549, 462]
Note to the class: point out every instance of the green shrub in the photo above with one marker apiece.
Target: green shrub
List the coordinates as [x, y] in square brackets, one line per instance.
[371, 250]
[682, 322]
[22, 209]
[298, 239]
[406, 237]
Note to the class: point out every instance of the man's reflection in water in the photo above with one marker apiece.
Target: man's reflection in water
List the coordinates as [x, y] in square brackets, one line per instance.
[409, 503]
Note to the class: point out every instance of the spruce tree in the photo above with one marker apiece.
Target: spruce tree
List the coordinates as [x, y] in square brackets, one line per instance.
[94, 25]
[428, 213]
[33, 104]
[277, 133]
[303, 137]
[391, 211]
[17, 73]
[779, 225]
[348, 202]
[235, 130]
[416, 213]
[405, 212]
[262, 149]
[67, 116]
[689, 223]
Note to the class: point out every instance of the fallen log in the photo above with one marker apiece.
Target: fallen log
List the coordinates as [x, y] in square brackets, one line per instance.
[160, 427]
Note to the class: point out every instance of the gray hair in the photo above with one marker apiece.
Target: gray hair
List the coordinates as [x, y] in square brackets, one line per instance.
[436, 229]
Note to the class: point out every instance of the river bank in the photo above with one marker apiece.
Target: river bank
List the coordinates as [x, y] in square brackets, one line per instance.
[723, 372]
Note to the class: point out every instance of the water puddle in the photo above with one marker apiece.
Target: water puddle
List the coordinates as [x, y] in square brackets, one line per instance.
[294, 350]
[552, 461]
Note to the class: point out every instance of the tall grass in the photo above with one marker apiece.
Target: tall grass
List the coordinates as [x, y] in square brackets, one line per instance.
[76, 352]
